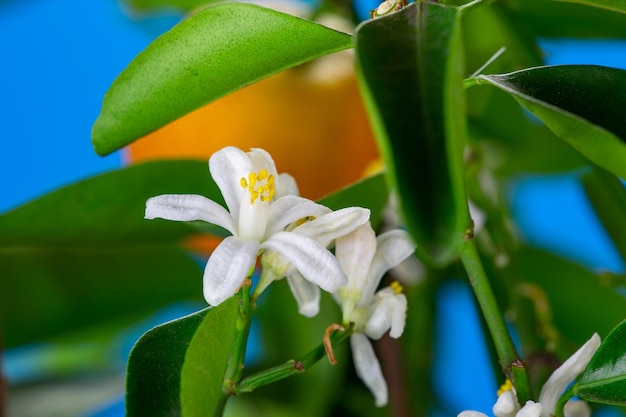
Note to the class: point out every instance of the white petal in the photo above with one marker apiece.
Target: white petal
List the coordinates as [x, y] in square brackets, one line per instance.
[471, 413]
[289, 209]
[393, 247]
[565, 374]
[312, 260]
[576, 408]
[387, 311]
[189, 207]
[227, 167]
[307, 295]
[261, 159]
[355, 252]
[368, 368]
[530, 409]
[227, 268]
[285, 185]
[507, 404]
[334, 225]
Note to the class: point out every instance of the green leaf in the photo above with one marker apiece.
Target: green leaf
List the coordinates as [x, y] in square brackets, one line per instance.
[70, 254]
[206, 360]
[410, 70]
[566, 20]
[608, 197]
[604, 379]
[613, 5]
[370, 192]
[205, 57]
[154, 367]
[581, 104]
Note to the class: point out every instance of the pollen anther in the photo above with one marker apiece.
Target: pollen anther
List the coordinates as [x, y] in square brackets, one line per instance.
[396, 287]
[260, 185]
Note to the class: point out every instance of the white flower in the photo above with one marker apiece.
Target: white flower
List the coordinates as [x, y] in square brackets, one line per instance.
[508, 405]
[259, 212]
[365, 259]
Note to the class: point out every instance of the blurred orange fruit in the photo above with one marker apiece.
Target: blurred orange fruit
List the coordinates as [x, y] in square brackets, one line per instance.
[316, 131]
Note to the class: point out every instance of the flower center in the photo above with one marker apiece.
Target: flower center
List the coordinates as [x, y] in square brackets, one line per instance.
[396, 287]
[260, 185]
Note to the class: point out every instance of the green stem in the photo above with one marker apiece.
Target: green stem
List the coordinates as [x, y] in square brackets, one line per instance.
[234, 368]
[291, 367]
[510, 362]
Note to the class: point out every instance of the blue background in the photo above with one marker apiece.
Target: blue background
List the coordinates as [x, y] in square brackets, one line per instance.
[58, 58]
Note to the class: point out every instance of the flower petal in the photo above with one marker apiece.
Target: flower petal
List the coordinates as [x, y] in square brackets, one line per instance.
[355, 252]
[334, 225]
[307, 295]
[227, 167]
[188, 207]
[576, 408]
[368, 368]
[285, 185]
[507, 404]
[471, 413]
[530, 409]
[566, 373]
[312, 260]
[261, 159]
[227, 268]
[392, 248]
[387, 312]
[290, 209]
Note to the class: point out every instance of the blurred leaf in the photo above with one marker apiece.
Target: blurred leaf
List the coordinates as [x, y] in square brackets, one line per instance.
[614, 5]
[410, 73]
[582, 104]
[608, 197]
[205, 57]
[370, 192]
[154, 367]
[566, 20]
[528, 147]
[204, 368]
[70, 254]
[604, 379]
[581, 303]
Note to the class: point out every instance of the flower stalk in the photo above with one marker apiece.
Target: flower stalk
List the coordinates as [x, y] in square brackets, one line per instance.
[510, 361]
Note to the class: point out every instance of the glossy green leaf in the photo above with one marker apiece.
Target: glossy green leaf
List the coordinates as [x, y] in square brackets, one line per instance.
[69, 254]
[604, 379]
[205, 57]
[613, 5]
[582, 104]
[154, 367]
[410, 72]
[608, 197]
[566, 20]
[204, 368]
[581, 303]
[370, 192]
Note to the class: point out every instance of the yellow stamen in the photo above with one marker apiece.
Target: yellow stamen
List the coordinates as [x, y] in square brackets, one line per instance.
[396, 287]
[507, 386]
[265, 188]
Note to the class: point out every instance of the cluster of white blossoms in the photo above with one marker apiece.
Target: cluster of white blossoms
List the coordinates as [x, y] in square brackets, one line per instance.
[508, 404]
[292, 236]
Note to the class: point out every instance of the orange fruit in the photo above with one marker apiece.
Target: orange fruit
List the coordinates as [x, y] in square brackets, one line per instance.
[316, 131]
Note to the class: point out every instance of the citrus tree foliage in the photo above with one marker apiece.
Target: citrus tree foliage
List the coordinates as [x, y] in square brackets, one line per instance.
[460, 102]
